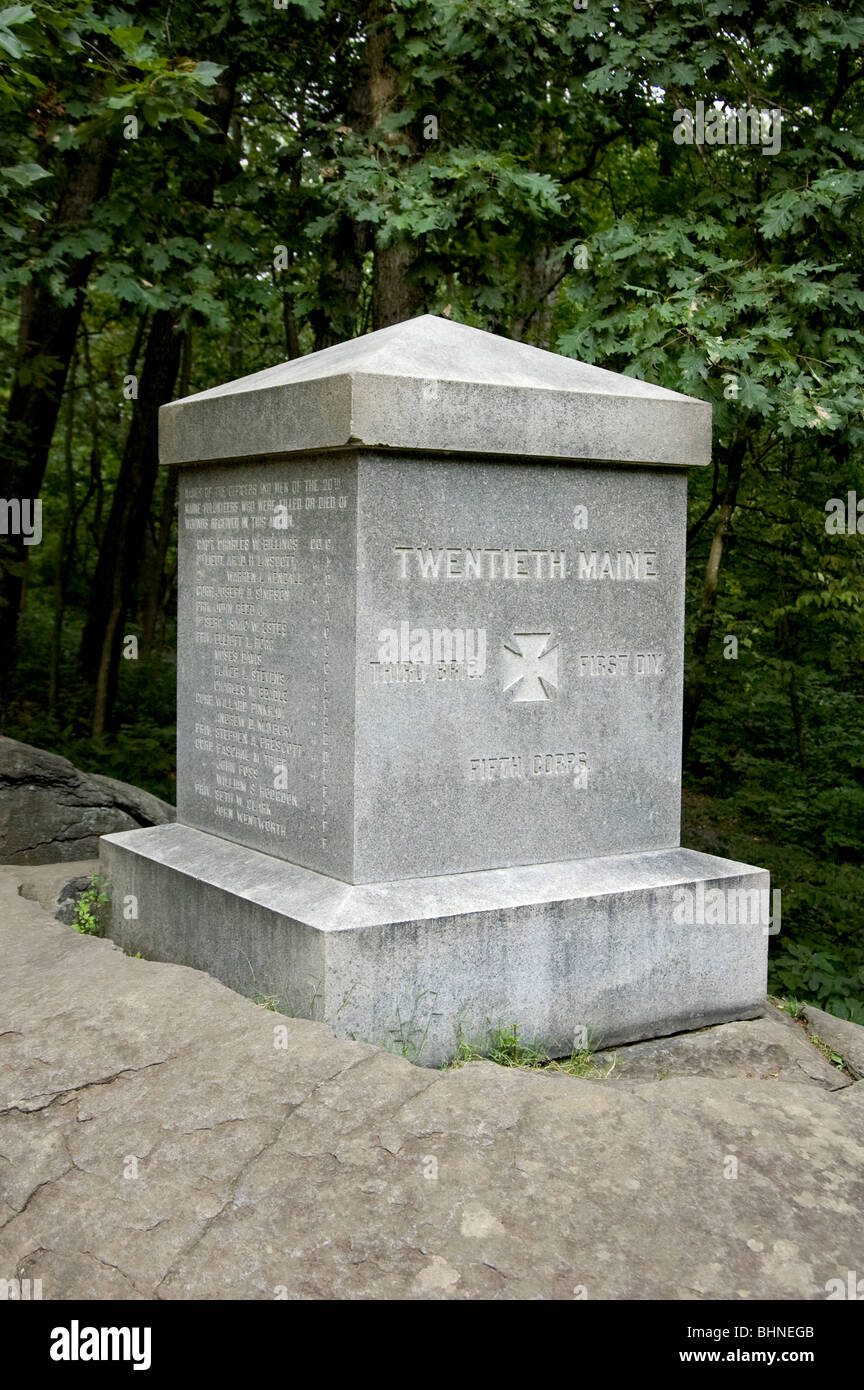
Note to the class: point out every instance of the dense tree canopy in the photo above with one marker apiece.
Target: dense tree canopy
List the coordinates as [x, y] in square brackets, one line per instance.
[190, 192]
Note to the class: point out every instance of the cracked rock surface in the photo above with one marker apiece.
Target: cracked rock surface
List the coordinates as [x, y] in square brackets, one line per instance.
[844, 1037]
[772, 1048]
[155, 1143]
[51, 812]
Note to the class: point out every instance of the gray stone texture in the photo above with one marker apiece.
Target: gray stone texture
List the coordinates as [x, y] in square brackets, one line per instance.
[429, 384]
[354, 698]
[50, 811]
[843, 1037]
[265, 680]
[56, 886]
[759, 1048]
[565, 741]
[555, 948]
[430, 675]
[306, 1171]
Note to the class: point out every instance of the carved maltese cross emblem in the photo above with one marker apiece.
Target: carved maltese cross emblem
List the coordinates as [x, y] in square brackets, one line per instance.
[529, 667]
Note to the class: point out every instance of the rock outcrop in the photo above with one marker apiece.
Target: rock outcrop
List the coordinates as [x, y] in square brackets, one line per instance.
[841, 1036]
[163, 1137]
[52, 812]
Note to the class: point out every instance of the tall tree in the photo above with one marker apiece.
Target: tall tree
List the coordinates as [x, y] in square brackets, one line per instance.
[122, 546]
[59, 243]
[80, 83]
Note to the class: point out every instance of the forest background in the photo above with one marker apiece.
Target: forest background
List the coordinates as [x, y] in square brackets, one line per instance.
[190, 192]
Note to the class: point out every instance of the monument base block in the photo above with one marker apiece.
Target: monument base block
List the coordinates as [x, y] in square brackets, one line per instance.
[610, 950]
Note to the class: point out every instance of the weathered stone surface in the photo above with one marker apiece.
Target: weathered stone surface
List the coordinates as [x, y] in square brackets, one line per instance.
[846, 1039]
[56, 887]
[141, 805]
[402, 659]
[432, 384]
[760, 1048]
[585, 944]
[429, 671]
[563, 740]
[431, 615]
[265, 680]
[333, 1170]
[50, 811]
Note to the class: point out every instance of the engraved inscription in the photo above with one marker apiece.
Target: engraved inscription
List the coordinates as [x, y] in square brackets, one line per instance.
[484, 562]
[509, 767]
[622, 665]
[257, 549]
[317, 545]
[407, 655]
[419, 654]
[530, 666]
[433, 564]
[640, 565]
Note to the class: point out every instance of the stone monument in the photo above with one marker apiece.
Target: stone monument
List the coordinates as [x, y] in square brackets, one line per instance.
[430, 663]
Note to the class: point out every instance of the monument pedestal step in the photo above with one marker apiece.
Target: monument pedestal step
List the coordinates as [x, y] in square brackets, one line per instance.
[609, 950]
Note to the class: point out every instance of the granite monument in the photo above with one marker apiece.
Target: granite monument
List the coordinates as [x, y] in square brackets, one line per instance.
[430, 667]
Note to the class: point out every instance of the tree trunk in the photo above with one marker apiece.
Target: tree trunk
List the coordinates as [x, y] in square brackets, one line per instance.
[395, 295]
[289, 322]
[118, 567]
[697, 677]
[65, 551]
[538, 280]
[48, 326]
[96, 484]
[340, 285]
[154, 581]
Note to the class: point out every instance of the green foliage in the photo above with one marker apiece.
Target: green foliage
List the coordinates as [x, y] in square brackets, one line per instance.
[818, 955]
[408, 1036]
[583, 1065]
[502, 1045]
[141, 749]
[87, 906]
[828, 1052]
[829, 979]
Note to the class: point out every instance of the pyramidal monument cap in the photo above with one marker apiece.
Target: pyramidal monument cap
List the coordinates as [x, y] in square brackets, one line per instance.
[440, 387]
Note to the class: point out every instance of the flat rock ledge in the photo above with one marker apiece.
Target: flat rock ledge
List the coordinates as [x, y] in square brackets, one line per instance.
[158, 1141]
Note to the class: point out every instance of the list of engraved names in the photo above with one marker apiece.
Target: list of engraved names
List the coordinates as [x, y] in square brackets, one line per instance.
[256, 551]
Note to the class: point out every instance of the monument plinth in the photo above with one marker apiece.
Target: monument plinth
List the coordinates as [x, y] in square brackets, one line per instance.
[430, 651]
